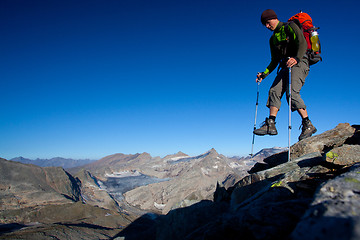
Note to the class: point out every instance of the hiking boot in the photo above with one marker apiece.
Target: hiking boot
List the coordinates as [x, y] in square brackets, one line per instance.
[267, 128]
[307, 130]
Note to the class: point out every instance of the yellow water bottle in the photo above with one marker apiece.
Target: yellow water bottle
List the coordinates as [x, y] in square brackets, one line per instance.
[315, 41]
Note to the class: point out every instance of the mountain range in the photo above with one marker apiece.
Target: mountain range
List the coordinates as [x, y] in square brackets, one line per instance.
[123, 186]
[209, 196]
[159, 184]
[54, 162]
[68, 163]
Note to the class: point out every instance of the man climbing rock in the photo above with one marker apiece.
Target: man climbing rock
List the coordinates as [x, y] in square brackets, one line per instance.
[288, 50]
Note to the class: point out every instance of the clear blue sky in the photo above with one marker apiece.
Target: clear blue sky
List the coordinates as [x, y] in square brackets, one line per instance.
[89, 78]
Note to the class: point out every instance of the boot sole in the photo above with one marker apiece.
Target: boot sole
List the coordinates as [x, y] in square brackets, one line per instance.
[263, 134]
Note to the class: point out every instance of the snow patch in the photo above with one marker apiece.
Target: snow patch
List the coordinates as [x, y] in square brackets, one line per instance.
[205, 171]
[123, 174]
[101, 185]
[234, 165]
[159, 205]
[94, 186]
[176, 158]
[157, 166]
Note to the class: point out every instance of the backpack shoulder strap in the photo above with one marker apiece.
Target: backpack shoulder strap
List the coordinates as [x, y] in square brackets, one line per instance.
[291, 24]
[286, 29]
[297, 22]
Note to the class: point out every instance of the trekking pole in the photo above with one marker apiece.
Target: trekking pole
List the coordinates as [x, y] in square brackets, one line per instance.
[289, 113]
[256, 109]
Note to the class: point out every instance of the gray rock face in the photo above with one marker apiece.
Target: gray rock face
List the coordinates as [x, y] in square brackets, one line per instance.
[343, 156]
[325, 141]
[334, 212]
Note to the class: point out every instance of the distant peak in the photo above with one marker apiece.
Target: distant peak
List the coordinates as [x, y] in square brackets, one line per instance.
[213, 151]
[144, 154]
[210, 152]
[181, 153]
[175, 156]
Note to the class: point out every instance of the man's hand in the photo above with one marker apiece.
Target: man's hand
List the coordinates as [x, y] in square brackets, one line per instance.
[291, 62]
[259, 77]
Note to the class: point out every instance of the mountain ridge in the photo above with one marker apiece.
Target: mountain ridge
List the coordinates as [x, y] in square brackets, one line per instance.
[66, 163]
[192, 197]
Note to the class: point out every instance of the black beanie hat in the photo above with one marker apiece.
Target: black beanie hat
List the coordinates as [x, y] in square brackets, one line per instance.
[267, 15]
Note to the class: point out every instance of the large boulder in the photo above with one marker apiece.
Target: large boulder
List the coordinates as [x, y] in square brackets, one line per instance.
[334, 212]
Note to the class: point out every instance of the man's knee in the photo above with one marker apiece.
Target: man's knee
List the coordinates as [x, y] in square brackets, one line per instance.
[274, 99]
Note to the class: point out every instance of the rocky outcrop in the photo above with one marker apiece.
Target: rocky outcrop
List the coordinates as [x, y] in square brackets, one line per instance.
[314, 196]
[323, 143]
[334, 211]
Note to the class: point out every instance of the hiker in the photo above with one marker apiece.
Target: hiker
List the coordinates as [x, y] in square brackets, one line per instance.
[288, 50]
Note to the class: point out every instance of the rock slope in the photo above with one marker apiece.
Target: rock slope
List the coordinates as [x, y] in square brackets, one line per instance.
[25, 185]
[43, 203]
[314, 196]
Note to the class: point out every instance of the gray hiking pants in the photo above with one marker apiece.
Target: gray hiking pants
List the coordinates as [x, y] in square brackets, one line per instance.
[281, 85]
